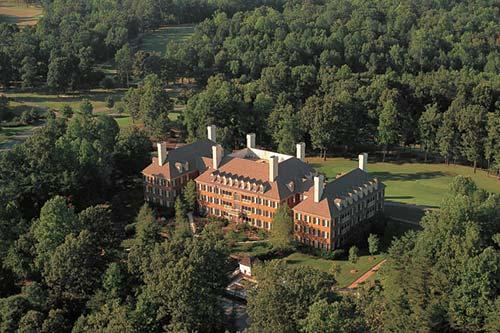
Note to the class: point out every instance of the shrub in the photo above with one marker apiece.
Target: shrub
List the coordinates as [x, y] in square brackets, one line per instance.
[119, 108]
[107, 83]
[353, 254]
[110, 102]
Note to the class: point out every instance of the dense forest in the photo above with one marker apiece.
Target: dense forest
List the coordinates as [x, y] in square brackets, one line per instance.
[72, 36]
[349, 73]
[338, 74]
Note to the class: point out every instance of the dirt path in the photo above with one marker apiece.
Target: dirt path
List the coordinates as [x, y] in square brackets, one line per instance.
[367, 275]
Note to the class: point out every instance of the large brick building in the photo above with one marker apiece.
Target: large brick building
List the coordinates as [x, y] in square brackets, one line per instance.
[247, 185]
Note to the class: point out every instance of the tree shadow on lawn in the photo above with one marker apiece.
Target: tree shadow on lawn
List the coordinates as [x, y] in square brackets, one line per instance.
[383, 175]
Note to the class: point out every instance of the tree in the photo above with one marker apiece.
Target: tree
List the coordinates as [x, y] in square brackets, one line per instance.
[279, 301]
[492, 144]
[339, 316]
[447, 136]
[191, 301]
[182, 228]
[31, 322]
[29, 72]
[472, 128]
[56, 221]
[132, 150]
[124, 59]
[450, 283]
[114, 281]
[55, 322]
[190, 195]
[281, 236]
[86, 107]
[373, 244]
[353, 254]
[335, 269]
[154, 106]
[75, 267]
[429, 124]
[66, 111]
[147, 234]
[59, 73]
[131, 101]
[284, 128]
[110, 102]
[388, 127]
[111, 317]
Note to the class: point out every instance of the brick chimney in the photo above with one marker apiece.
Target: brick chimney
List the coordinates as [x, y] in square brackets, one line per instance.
[273, 168]
[301, 151]
[318, 187]
[363, 161]
[251, 140]
[211, 133]
[217, 153]
[162, 153]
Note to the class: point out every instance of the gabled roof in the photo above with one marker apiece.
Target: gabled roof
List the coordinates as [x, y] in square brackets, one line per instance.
[344, 187]
[293, 175]
[194, 156]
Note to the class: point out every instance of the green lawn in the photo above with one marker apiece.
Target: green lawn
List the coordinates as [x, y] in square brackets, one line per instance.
[414, 183]
[18, 13]
[123, 121]
[26, 101]
[157, 40]
[346, 277]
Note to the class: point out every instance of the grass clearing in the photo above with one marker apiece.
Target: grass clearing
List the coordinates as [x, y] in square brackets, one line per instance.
[21, 101]
[157, 40]
[349, 272]
[14, 12]
[413, 183]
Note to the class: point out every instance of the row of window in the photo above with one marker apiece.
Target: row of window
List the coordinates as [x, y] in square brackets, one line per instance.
[253, 221]
[312, 219]
[161, 192]
[236, 196]
[166, 182]
[312, 231]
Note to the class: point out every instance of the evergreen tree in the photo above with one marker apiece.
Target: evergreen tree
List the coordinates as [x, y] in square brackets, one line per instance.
[190, 196]
[29, 72]
[353, 254]
[492, 144]
[388, 128]
[154, 106]
[182, 229]
[281, 236]
[472, 127]
[373, 244]
[124, 59]
[86, 108]
[428, 124]
[147, 234]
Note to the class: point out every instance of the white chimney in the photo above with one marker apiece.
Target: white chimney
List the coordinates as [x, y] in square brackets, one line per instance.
[318, 187]
[273, 168]
[251, 140]
[162, 153]
[363, 161]
[211, 133]
[301, 151]
[217, 152]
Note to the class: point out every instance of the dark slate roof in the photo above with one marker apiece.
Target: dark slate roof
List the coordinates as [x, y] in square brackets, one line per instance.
[338, 188]
[195, 154]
